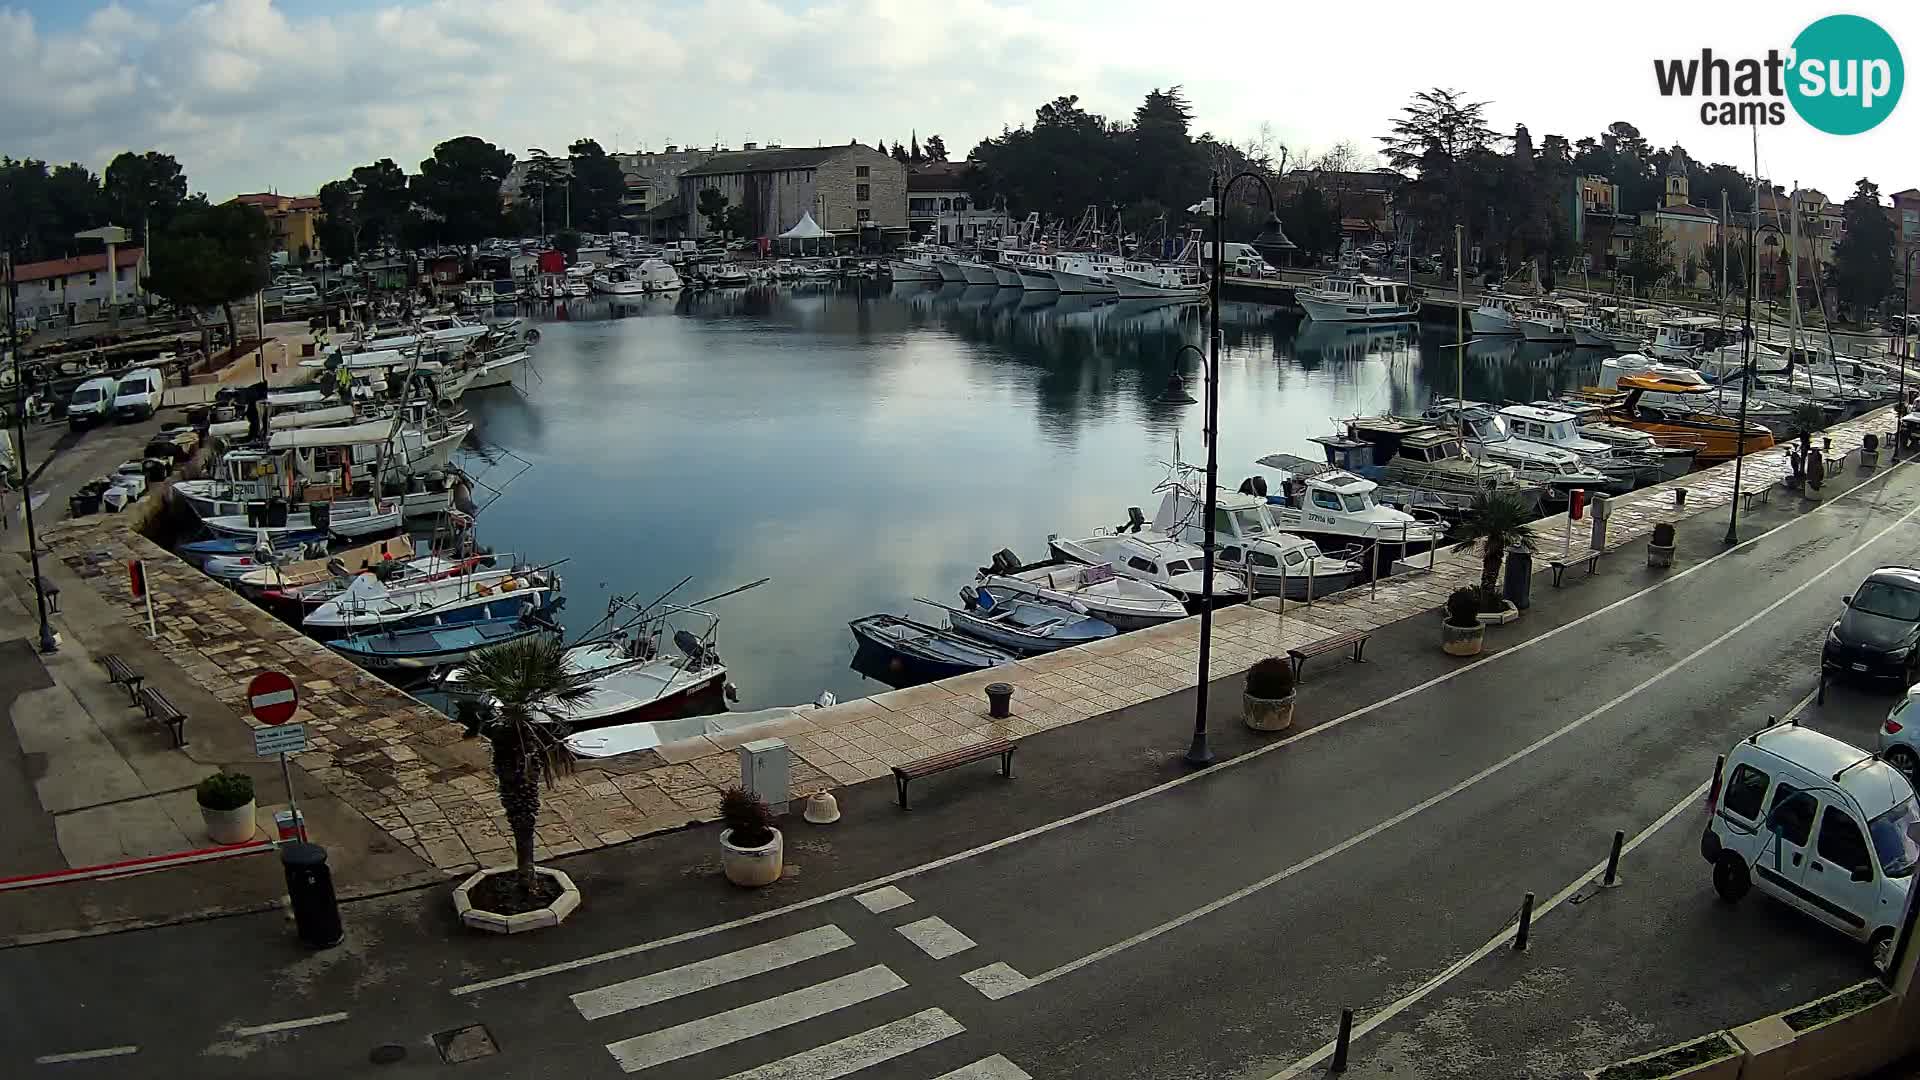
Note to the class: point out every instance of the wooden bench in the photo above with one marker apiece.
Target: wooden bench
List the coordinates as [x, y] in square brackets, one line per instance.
[120, 674]
[1752, 494]
[1589, 557]
[160, 710]
[1353, 639]
[952, 759]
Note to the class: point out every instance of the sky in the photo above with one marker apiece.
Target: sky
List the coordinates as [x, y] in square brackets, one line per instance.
[284, 95]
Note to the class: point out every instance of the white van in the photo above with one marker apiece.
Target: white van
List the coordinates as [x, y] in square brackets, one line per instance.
[138, 395]
[1242, 260]
[91, 403]
[1819, 825]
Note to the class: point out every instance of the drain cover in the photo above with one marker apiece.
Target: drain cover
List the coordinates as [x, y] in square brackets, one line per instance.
[465, 1043]
[388, 1054]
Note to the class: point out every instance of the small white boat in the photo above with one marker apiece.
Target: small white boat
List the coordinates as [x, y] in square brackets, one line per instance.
[1144, 280]
[1173, 565]
[367, 603]
[1358, 298]
[633, 678]
[1122, 602]
[913, 266]
[1083, 273]
[1248, 541]
[606, 742]
[498, 371]
[1327, 503]
[1494, 317]
[344, 520]
[1035, 269]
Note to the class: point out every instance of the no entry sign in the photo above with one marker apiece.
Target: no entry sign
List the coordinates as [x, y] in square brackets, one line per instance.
[272, 698]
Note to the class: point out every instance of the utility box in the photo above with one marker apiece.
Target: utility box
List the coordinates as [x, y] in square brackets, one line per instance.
[763, 771]
[1601, 507]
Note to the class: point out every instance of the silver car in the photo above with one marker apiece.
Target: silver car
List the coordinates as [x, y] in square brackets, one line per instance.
[1899, 741]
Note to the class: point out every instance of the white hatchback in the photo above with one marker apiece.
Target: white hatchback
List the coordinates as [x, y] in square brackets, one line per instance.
[1821, 826]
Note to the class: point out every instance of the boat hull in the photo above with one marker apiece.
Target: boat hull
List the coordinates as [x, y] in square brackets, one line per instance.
[1006, 278]
[439, 647]
[1534, 330]
[1349, 311]
[1132, 288]
[978, 274]
[1491, 323]
[924, 653]
[950, 272]
[1038, 280]
[1072, 284]
[900, 271]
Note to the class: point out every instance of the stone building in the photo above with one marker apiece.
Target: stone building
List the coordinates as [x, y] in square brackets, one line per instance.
[1688, 228]
[854, 192]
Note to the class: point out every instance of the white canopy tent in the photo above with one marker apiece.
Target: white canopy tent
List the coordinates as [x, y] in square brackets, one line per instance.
[806, 229]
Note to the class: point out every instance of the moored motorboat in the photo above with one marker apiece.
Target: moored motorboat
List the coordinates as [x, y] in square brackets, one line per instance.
[1027, 625]
[421, 648]
[1357, 298]
[1121, 602]
[1170, 563]
[918, 652]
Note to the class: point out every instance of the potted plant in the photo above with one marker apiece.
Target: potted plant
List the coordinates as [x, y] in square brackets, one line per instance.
[519, 690]
[226, 805]
[1869, 451]
[1499, 520]
[1660, 546]
[1463, 633]
[1269, 695]
[751, 849]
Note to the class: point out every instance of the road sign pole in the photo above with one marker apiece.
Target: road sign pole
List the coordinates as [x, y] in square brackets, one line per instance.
[293, 804]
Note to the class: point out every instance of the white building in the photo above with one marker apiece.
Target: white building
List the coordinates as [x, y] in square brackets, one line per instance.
[940, 209]
[79, 289]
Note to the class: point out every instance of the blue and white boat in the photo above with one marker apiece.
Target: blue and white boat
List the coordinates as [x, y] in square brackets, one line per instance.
[916, 651]
[279, 543]
[370, 604]
[421, 648]
[1026, 625]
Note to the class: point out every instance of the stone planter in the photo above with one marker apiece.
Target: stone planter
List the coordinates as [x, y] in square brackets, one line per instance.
[1505, 615]
[1462, 640]
[496, 923]
[1799, 1043]
[1269, 714]
[1722, 1062]
[235, 826]
[1659, 556]
[752, 867]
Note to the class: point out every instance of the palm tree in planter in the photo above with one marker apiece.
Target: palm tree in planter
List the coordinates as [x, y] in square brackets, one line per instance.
[1268, 698]
[1462, 633]
[519, 691]
[1499, 520]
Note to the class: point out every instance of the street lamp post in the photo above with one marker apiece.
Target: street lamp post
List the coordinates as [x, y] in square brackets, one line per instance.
[1906, 348]
[1746, 388]
[47, 642]
[1199, 754]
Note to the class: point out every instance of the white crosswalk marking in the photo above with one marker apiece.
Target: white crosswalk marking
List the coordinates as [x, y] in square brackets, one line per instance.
[855, 1052]
[717, 971]
[747, 1021]
[885, 898]
[991, 1068]
[936, 937]
[996, 980]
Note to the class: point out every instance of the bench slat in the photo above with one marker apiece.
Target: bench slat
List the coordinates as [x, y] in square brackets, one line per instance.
[1329, 644]
[958, 756]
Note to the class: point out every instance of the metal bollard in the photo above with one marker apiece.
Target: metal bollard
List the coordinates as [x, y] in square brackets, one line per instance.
[1309, 581]
[1612, 876]
[1526, 924]
[1375, 580]
[1339, 1064]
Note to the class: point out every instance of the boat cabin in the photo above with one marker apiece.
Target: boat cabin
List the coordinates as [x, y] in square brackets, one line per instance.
[1549, 426]
[1364, 290]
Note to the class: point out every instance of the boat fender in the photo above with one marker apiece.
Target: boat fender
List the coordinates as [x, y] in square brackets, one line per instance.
[1079, 607]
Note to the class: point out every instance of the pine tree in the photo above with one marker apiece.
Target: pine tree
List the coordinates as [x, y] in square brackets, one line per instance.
[1862, 273]
[913, 153]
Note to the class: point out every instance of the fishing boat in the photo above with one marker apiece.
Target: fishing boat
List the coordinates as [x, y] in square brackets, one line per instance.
[422, 648]
[1546, 320]
[1680, 337]
[1358, 298]
[1034, 267]
[1424, 457]
[632, 678]
[918, 652]
[1487, 436]
[1249, 542]
[1026, 625]
[1083, 273]
[498, 371]
[1328, 504]
[367, 603]
[1494, 317]
[1149, 280]
[913, 266]
[352, 519]
[1004, 275]
[1157, 559]
[1121, 602]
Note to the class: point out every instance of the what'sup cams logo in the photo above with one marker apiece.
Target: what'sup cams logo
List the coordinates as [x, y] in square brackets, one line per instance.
[1843, 75]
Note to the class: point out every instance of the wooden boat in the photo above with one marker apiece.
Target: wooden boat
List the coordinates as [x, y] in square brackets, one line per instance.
[918, 651]
[1717, 437]
[1024, 624]
[425, 647]
[277, 582]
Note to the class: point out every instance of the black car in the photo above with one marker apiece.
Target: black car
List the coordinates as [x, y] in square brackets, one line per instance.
[1878, 636]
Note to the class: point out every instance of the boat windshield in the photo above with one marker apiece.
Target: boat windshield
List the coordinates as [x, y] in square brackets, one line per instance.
[1561, 431]
[1888, 601]
[1354, 503]
[1896, 838]
[1252, 522]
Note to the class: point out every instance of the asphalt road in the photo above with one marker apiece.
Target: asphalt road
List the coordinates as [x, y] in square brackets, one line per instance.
[63, 459]
[1213, 927]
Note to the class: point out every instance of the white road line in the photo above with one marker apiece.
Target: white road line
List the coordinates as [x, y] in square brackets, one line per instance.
[715, 971]
[996, 981]
[1447, 974]
[855, 1052]
[884, 899]
[1128, 800]
[936, 937]
[290, 1025]
[720, 1029]
[987, 1068]
[1441, 796]
[86, 1055]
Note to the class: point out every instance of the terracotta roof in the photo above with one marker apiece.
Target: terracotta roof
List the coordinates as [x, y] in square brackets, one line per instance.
[80, 264]
[308, 202]
[267, 200]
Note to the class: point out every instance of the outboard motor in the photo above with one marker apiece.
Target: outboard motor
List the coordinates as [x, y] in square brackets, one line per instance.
[697, 651]
[1005, 562]
[1136, 520]
[321, 514]
[969, 596]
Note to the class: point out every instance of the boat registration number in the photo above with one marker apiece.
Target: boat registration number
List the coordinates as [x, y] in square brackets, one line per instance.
[1859, 667]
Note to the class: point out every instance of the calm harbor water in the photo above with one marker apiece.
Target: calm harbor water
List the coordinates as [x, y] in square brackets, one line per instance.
[864, 445]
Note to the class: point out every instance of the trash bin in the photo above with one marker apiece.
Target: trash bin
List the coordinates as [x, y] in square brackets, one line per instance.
[316, 914]
[1518, 586]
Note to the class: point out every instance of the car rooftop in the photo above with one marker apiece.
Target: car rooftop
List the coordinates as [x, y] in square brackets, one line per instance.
[1904, 575]
[1876, 785]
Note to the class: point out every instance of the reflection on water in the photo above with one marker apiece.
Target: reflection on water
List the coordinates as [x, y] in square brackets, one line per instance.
[864, 445]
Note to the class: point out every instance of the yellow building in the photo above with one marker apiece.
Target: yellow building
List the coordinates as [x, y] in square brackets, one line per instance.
[1690, 229]
[293, 220]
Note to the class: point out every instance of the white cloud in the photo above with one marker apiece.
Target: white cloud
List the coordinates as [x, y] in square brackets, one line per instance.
[257, 93]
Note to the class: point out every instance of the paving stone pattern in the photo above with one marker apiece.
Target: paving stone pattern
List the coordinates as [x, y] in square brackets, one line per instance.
[409, 770]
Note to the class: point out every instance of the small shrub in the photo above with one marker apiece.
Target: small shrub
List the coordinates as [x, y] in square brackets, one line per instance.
[1463, 607]
[1663, 534]
[747, 815]
[225, 791]
[1870, 443]
[1270, 679]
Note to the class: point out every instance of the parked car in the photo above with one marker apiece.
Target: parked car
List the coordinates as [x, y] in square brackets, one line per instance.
[1899, 740]
[138, 394]
[1821, 826]
[91, 403]
[1877, 637]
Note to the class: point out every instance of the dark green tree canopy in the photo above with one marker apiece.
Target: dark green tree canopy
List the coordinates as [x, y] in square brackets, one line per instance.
[211, 256]
[460, 185]
[1863, 268]
[144, 190]
[598, 187]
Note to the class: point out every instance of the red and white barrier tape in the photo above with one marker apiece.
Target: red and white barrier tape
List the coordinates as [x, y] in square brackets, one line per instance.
[144, 864]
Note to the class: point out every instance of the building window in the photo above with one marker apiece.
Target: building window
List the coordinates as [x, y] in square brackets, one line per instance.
[862, 192]
[93, 278]
[863, 215]
[862, 170]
